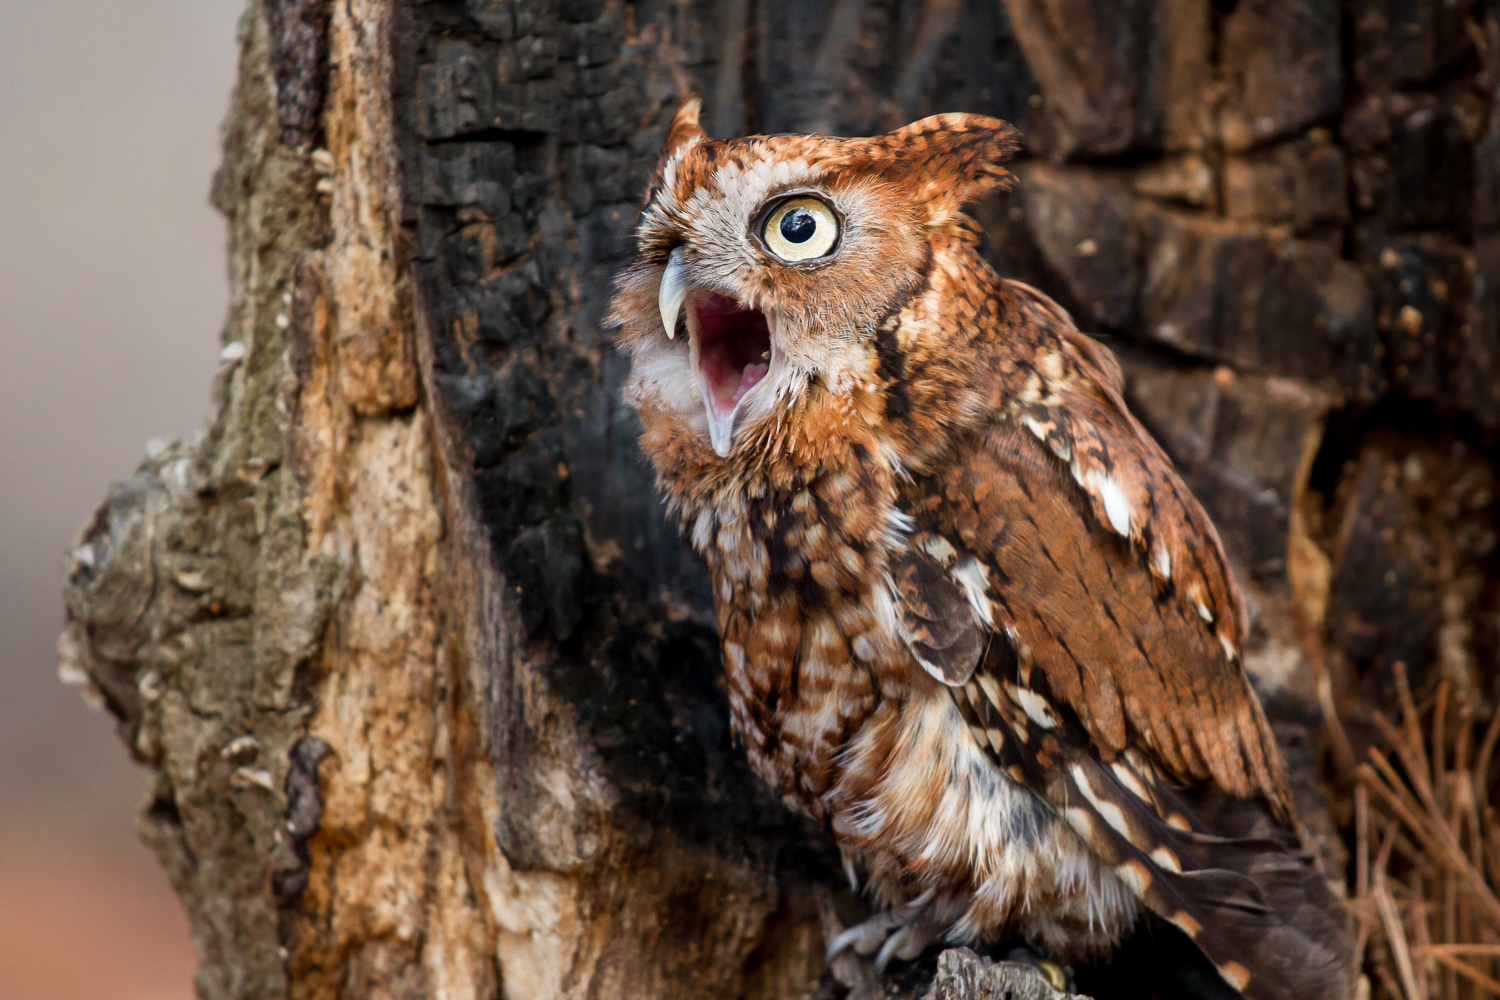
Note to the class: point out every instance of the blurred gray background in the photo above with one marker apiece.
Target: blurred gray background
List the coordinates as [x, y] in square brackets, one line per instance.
[112, 292]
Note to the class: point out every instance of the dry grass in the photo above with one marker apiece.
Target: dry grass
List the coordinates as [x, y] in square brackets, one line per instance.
[1427, 853]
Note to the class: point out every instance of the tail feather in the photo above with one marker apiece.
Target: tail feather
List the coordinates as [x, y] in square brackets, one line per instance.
[1258, 906]
[1227, 872]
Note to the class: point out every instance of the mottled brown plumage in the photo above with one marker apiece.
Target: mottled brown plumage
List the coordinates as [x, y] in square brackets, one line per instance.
[972, 620]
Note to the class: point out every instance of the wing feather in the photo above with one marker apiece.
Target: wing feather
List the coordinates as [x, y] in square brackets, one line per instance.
[937, 620]
[1126, 651]
[1108, 571]
[1107, 677]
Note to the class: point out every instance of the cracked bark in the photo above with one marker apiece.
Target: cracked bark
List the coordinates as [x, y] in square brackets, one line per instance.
[429, 689]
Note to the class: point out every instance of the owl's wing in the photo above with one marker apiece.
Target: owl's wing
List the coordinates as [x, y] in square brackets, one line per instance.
[1063, 582]
[1066, 528]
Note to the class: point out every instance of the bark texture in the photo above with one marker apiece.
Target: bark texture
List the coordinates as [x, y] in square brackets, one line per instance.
[429, 688]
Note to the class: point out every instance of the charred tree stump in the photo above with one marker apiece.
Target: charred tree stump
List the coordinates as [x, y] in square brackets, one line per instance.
[428, 687]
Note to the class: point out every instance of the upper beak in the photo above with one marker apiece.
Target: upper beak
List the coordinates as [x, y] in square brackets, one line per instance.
[674, 286]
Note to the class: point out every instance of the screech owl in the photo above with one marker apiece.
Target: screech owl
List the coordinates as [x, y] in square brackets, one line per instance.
[972, 621]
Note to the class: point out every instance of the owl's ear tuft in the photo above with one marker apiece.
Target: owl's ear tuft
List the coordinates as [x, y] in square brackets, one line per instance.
[684, 129]
[682, 134]
[952, 159]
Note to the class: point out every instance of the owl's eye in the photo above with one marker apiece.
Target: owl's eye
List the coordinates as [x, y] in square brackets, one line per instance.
[801, 229]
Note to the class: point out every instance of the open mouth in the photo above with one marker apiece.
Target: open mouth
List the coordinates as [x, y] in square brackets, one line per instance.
[732, 345]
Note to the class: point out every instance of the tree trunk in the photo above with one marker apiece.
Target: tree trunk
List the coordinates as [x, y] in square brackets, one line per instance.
[429, 688]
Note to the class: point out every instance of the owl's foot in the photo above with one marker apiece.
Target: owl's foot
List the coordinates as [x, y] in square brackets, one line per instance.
[902, 932]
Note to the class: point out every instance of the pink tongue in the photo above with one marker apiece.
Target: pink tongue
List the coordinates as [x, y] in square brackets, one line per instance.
[751, 375]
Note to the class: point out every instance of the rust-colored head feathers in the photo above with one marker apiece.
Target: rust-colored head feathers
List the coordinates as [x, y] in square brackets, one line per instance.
[972, 620]
[939, 163]
[802, 244]
[947, 161]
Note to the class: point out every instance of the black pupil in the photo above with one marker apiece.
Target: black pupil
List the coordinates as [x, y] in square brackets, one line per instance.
[797, 225]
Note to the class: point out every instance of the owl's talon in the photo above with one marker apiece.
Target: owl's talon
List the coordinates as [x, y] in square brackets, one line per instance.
[905, 944]
[900, 932]
[864, 937]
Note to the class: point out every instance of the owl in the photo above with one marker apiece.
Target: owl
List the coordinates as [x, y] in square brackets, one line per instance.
[972, 622]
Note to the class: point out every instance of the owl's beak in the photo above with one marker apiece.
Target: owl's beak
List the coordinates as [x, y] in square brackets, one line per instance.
[730, 346]
[731, 351]
[674, 286]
